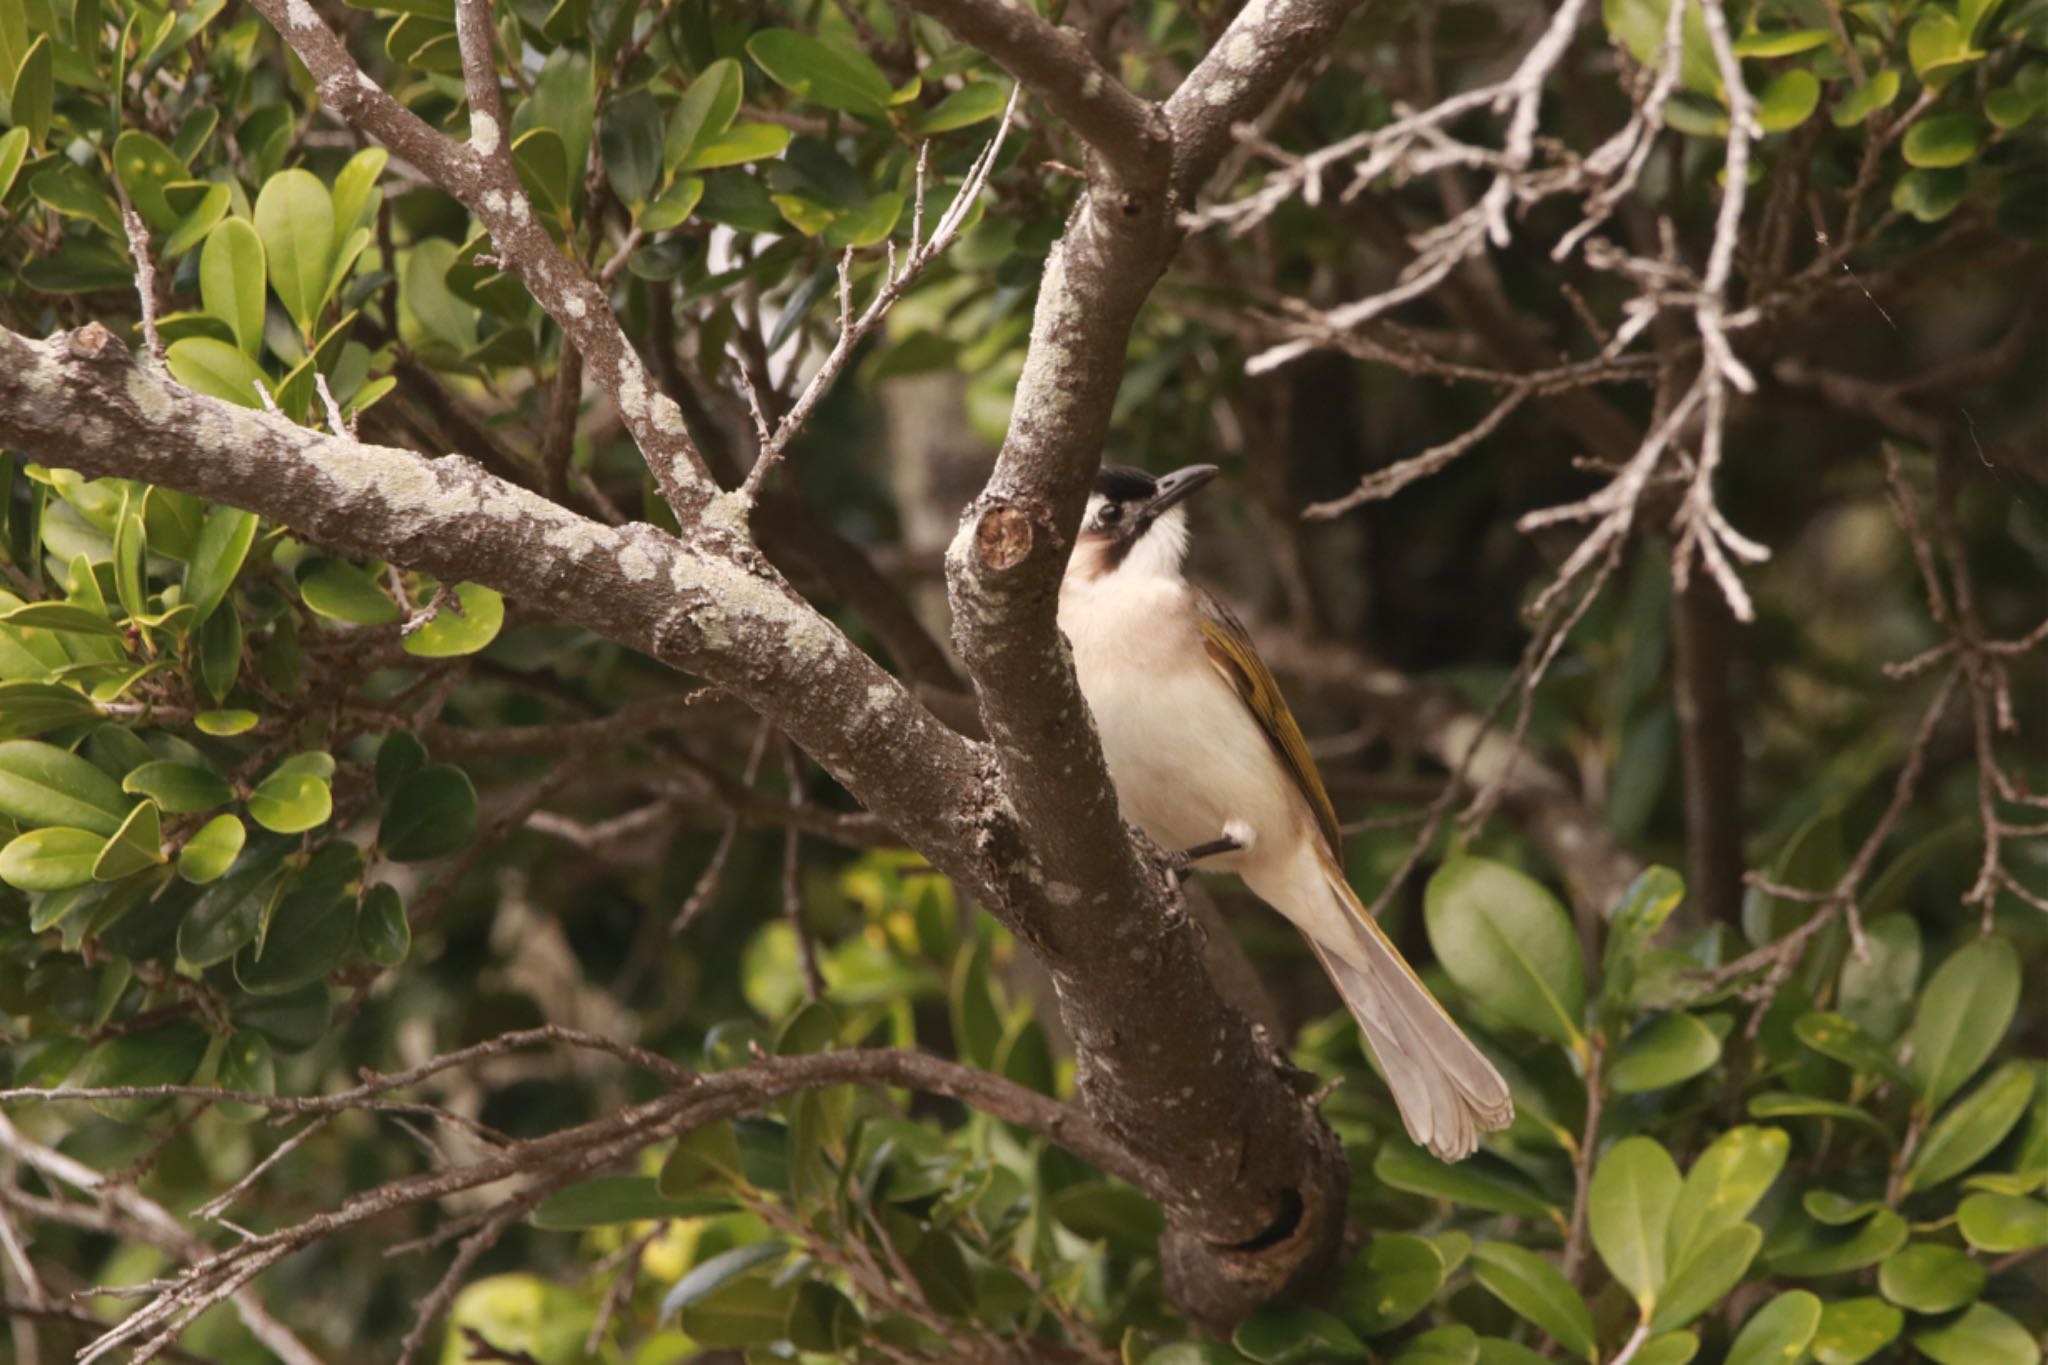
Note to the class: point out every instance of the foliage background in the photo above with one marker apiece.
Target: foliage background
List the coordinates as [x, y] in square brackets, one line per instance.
[274, 818]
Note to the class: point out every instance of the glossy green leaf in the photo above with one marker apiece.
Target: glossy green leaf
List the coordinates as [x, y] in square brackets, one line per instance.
[1930, 1278]
[866, 225]
[1859, 104]
[716, 1272]
[1963, 1016]
[1779, 1333]
[1391, 1281]
[1471, 1182]
[212, 849]
[341, 591]
[179, 788]
[1982, 1336]
[50, 859]
[737, 146]
[136, 845]
[35, 90]
[13, 151]
[295, 219]
[1783, 43]
[1509, 945]
[1930, 195]
[41, 784]
[1537, 1290]
[34, 708]
[466, 631]
[543, 164]
[1725, 1183]
[355, 190]
[217, 557]
[382, 930]
[1703, 1277]
[217, 370]
[630, 135]
[1837, 1255]
[1943, 140]
[1976, 1123]
[1937, 47]
[432, 814]
[232, 280]
[246, 1064]
[1639, 25]
[306, 937]
[197, 224]
[1877, 990]
[144, 166]
[1672, 1348]
[1836, 1036]
[1836, 1210]
[1788, 101]
[231, 722]
[824, 71]
[291, 802]
[1456, 1344]
[1293, 1336]
[169, 1054]
[673, 208]
[1635, 1188]
[976, 102]
[2000, 1224]
[609, 1200]
[1668, 1050]
[1853, 1330]
[1634, 923]
[705, 111]
[229, 913]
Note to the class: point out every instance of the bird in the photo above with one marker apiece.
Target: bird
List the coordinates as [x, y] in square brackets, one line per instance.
[1207, 760]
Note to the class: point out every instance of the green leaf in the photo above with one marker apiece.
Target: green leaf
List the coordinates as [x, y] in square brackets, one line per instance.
[631, 139]
[716, 1272]
[13, 151]
[399, 756]
[223, 544]
[543, 164]
[1635, 1188]
[1639, 26]
[382, 930]
[2002, 1223]
[136, 845]
[673, 208]
[1930, 1278]
[1673, 1348]
[976, 102]
[310, 932]
[866, 225]
[217, 370]
[179, 788]
[737, 146]
[33, 708]
[35, 91]
[1944, 140]
[211, 208]
[220, 653]
[1971, 14]
[1779, 1333]
[1877, 93]
[41, 784]
[1877, 1239]
[229, 913]
[706, 110]
[1981, 1336]
[825, 71]
[1407, 1167]
[343, 592]
[453, 632]
[1938, 48]
[295, 219]
[1727, 1181]
[355, 190]
[612, 1199]
[1877, 992]
[706, 1158]
[1669, 1049]
[225, 723]
[1704, 1276]
[169, 1054]
[50, 859]
[1785, 43]
[1453, 1345]
[232, 280]
[1788, 101]
[1291, 1336]
[1509, 945]
[246, 1065]
[1853, 1330]
[1633, 925]
[1836, 1210]
[1963, 1016]
[291, 801]
[1537, 1290]
[432, 814]
[1930, 196]
[1966, 1134]
[61, 617]
[1389, 1283]
[210, 852]
[1836, 1036]
[144, 166]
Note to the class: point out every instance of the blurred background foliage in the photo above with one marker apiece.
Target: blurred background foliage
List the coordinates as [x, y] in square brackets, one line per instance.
[271, 817]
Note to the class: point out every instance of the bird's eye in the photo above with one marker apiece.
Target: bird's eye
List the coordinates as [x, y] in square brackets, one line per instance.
[1110, 514]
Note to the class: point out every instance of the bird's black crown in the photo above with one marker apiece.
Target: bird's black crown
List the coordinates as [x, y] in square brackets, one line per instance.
[1123, 483]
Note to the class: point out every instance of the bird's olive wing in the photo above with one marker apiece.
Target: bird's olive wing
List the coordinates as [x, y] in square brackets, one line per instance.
[1230, 649]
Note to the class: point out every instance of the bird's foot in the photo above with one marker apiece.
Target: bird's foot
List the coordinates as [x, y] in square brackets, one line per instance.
[1235, 838]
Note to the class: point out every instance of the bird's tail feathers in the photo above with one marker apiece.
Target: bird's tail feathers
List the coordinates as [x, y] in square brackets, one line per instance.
[1447, 1091]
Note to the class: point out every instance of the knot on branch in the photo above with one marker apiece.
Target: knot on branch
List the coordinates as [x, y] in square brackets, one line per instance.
[1004, 538]
[94, 342]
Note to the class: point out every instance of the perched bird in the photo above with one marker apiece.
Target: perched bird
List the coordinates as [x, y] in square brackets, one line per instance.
[1208, 761]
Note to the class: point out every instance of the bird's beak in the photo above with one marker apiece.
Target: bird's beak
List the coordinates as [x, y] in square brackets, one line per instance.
[1177, 486]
